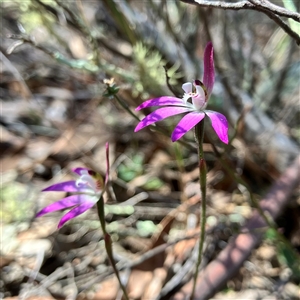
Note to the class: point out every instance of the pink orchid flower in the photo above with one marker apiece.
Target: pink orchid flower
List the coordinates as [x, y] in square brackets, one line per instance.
[195, 109]
[88, 188]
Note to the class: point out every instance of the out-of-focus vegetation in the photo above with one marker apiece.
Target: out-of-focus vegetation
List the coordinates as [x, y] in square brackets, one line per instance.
[72, 73]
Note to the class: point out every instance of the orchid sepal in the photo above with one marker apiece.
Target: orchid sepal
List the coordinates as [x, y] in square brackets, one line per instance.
[209, 68]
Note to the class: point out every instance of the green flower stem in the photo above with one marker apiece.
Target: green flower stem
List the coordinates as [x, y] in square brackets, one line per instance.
[126, 107]
[108, 244]
[199, 135]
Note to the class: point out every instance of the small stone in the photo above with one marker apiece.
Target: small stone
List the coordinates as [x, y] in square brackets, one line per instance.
[12, 273]
[291, 291]
[286, 274]
[266, 252]
[259, 282]
[34, 247]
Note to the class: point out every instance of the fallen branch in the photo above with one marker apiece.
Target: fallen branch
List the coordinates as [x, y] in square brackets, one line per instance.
[220, 270]
[272, 11]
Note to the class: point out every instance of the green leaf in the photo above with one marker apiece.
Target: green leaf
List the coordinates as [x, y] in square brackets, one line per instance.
[153, 184]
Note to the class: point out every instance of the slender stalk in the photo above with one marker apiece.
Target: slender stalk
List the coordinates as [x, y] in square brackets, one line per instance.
[126, 107]
[199, 135]
[108, 244]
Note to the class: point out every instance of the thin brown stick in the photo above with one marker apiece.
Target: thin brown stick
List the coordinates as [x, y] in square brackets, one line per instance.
[221, 4]
[273, 16]
[278, 10]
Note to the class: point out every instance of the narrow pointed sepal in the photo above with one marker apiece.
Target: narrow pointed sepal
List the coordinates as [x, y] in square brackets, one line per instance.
[219, 124]
[209, 68]
[186, 124]
[160, 114]
[78, 210]
[161, 101]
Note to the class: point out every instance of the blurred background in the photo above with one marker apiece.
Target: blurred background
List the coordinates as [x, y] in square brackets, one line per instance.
[72, 73]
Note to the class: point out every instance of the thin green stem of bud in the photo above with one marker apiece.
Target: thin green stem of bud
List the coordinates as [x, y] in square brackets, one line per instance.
[108, 244]
[126, 107]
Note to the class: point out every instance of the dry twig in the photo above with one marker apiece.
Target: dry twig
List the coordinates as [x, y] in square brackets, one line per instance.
[272, 11]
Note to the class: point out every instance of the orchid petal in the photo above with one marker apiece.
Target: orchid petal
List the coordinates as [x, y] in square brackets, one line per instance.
[78, 170]
[209, 69]
[186, 124]
[160, 114]
[75, 212]
[219, 124]
[67, 186]
[65, 203]
[161, 101]
[187, 87]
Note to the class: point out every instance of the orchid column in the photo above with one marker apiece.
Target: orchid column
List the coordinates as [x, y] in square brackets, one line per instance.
[193, 104]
